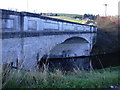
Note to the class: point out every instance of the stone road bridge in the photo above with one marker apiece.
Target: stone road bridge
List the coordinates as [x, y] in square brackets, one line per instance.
[28, 37]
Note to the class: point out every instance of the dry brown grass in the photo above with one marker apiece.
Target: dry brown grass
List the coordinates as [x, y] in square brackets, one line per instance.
[108, 23]
[107, 37]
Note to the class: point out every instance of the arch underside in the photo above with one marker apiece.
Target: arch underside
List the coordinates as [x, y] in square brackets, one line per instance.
[71, 47]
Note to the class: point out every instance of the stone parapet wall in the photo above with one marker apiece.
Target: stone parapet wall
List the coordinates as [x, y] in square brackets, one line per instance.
[13, 21]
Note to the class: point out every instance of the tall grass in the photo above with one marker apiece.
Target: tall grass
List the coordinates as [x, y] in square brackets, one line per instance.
[60, 79]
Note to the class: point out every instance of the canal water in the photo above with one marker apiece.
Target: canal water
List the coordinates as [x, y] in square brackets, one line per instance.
[106, 60]
[97, 61]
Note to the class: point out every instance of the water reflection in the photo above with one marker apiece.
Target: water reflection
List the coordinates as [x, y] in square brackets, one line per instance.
[82, 62]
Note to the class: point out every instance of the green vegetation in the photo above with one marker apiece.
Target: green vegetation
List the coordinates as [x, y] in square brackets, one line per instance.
[89, 16]
[67, 15]
[68, 19]
[78, 79]
[83, 19]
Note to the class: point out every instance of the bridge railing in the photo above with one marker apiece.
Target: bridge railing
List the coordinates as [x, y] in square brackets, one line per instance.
[13, 21]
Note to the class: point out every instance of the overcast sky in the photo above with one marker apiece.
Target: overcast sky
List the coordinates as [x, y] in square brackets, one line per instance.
[63, 6]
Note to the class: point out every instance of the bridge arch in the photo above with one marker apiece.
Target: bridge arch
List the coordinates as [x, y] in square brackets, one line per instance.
[71, 47]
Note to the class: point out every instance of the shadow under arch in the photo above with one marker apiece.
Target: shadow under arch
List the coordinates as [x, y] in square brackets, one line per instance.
[71, 47]
[75, 40]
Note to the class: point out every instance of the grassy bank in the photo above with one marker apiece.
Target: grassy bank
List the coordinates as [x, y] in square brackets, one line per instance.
[78, 79]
